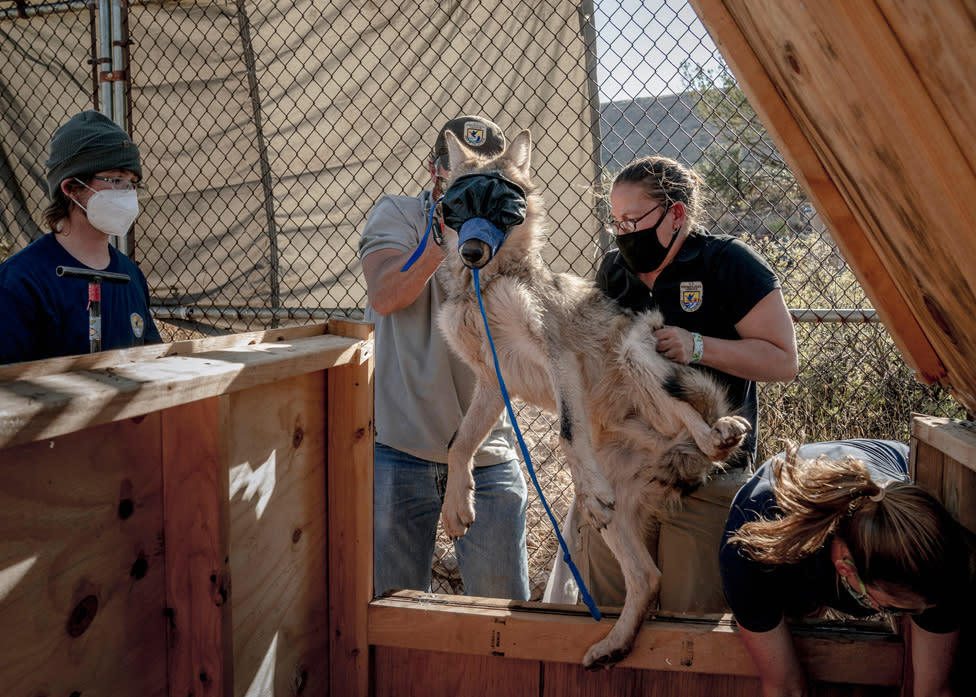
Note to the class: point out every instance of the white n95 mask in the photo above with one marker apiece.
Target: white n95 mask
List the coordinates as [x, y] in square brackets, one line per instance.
[112, 210]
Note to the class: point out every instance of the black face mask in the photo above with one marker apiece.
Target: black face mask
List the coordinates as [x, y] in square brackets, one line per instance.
[641, 251]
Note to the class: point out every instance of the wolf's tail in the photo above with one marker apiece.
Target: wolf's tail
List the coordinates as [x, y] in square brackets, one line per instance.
[699, 389]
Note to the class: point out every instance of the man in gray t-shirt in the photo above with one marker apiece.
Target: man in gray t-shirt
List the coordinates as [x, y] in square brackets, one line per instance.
[421, 393]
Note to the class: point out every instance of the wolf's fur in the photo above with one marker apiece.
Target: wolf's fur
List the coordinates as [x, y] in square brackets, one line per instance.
[637, 429]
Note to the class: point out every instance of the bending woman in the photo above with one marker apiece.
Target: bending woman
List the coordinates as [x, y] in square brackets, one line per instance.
[838, 525]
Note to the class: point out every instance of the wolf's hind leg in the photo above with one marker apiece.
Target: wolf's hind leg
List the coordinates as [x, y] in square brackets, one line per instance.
[727, 434]
[625, 535]
[457, 513]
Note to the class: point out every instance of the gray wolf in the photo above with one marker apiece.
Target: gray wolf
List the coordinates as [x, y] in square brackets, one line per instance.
[636, 429]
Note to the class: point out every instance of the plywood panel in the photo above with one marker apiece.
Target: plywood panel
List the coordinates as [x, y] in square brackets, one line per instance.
[563, 680]
[276, 456]
[196, 531]
[81, 564]
[867, 102]
[48, 405]
[944, 458]
[418, 673]
[350, 511]
[543, 632]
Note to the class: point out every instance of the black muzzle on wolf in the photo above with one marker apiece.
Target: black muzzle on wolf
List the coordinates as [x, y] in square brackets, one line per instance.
[482, 208]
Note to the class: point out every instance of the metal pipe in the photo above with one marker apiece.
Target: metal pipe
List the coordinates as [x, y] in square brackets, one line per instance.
[118, 68]
[190, 312]
[835, 315]
[104, 58]
[250, 62]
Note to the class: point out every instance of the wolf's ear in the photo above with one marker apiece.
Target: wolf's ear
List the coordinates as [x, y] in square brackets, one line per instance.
[520, 151]
[456, 152]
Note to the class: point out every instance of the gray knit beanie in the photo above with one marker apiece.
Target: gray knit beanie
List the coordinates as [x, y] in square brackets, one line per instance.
[88, 143]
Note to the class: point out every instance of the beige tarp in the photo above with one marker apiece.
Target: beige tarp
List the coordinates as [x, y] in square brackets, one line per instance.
[269, 129]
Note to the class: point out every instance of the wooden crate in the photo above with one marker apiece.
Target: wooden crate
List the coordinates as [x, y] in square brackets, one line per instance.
[165, 518]
[196, 518]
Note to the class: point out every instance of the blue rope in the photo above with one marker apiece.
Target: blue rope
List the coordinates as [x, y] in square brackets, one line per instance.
[423, 242]
[587, 598]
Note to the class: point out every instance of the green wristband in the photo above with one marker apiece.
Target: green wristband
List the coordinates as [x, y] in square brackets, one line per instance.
[697, 347]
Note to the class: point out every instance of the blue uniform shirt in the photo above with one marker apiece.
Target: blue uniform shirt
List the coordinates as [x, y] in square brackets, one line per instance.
[43, 315]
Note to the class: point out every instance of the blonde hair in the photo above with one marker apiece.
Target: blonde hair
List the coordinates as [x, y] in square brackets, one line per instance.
[899, 536]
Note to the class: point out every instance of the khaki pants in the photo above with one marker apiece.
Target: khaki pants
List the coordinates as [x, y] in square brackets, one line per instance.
[685, 548]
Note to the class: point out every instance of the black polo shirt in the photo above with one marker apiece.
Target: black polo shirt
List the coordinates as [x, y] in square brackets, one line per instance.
[713, 282]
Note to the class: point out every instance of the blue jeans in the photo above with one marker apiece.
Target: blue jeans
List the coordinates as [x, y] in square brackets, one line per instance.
[407, 497]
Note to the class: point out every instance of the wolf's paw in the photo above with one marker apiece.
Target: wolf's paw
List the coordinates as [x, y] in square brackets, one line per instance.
[596, 502]
[606, 653]
[457, 514]
[727, 434]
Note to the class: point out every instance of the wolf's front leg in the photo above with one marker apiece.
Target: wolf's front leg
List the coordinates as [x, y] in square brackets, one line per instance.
[457, 513]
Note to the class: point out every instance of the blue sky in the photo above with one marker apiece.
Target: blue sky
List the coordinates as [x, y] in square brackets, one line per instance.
[642, 44]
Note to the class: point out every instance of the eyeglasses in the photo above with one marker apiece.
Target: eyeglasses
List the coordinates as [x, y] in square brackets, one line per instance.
[628, 226]
[118, 183]
[865, 600]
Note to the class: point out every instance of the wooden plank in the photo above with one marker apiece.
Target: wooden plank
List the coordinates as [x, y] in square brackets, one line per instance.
[276, 450]
[195, 523]
[138, 354]
[815, 174]
[842, 72]
[81, 564]
[350, 524]
[536, 631]
[937, 38]
[418, 673]
[955, 438]
[566, 680]
[928, 464]
[356, 329]
[945, 464]
[52, 405]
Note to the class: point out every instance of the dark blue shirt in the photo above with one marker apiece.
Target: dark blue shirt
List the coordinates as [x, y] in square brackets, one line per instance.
[760, 595]
[43, 315]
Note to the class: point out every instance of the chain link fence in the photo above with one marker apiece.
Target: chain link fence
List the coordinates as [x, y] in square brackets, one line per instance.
[269, 129]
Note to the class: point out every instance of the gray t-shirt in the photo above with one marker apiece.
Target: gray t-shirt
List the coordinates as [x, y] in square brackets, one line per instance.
[422, 389]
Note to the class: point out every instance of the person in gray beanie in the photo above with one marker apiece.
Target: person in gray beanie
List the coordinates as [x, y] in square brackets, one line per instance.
[92, 172]
[422, 391]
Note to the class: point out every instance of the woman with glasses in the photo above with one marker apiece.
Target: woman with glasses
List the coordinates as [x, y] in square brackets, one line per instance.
[838, 525]
[93, 171]
[724, 312]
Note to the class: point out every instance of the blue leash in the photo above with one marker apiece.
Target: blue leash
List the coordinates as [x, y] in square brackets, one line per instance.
[587, 598]
[423, 242]
[584, 592]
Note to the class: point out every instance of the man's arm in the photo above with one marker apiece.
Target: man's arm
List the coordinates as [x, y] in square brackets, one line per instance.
[391, 289]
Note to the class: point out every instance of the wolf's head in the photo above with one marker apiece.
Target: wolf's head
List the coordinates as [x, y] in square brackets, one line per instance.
[491, 203]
